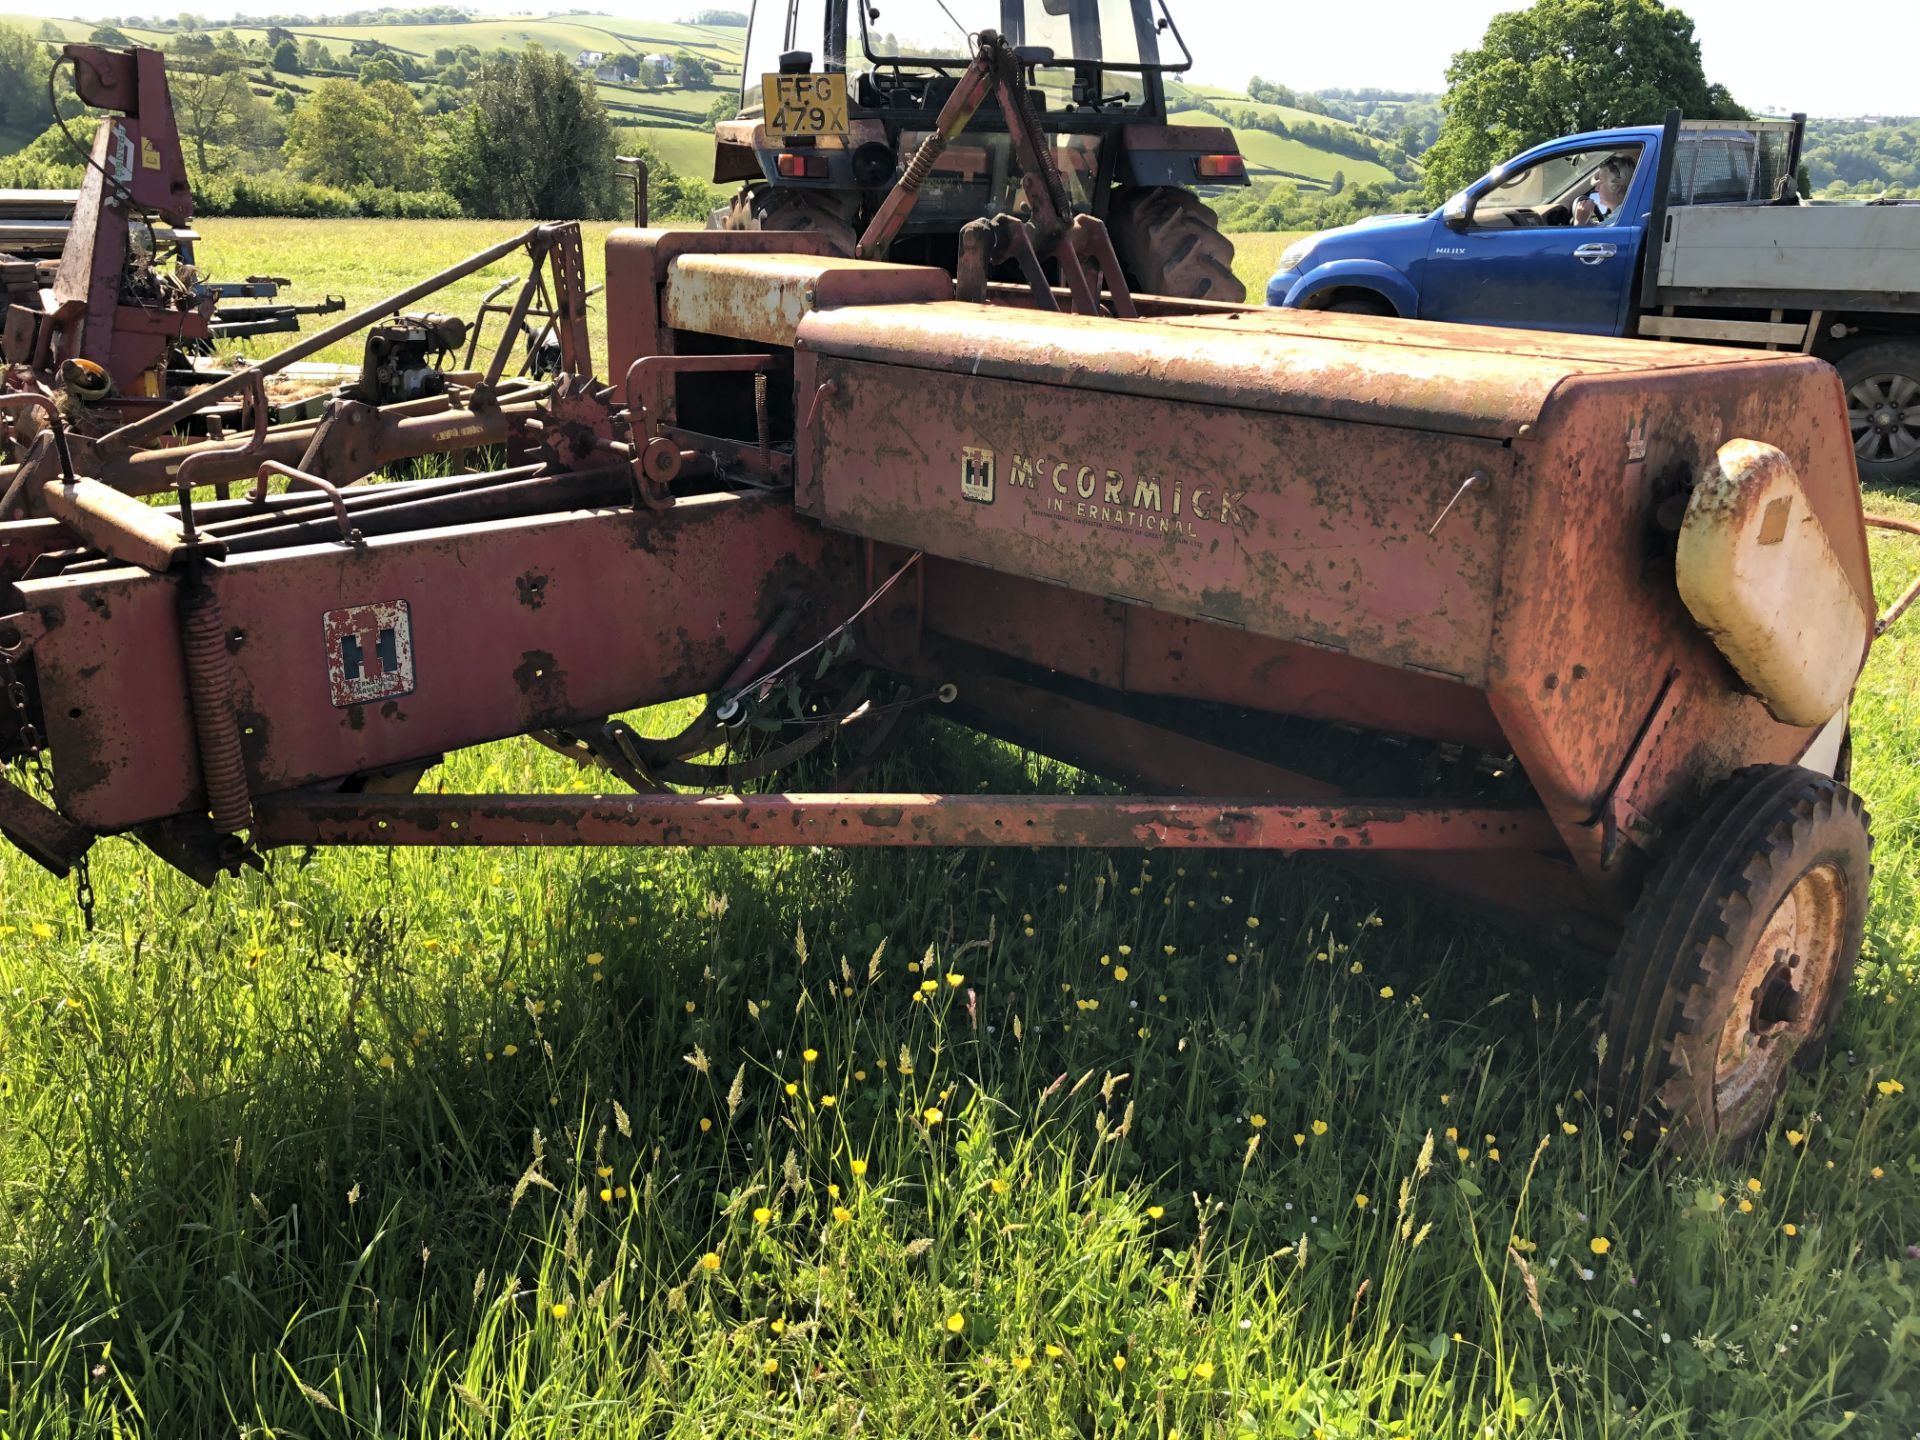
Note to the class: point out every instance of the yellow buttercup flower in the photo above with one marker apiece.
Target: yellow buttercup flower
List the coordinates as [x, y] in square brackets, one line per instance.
[956, 1322]
[842, 1214]
[762, 1214]
[1745, 1207]
[1360, 1201]
[1023, 1363]
[558, 1310]
[1755, 1186]
[1120, 972]
[1319, 1127]
[809, 1055]
[932, 1115]
[1599, 1245]
[859, 1169]
[1203, 1369]
[710, 1261]
[1257, 1120]
[1154, 1212]
[1567, 1127]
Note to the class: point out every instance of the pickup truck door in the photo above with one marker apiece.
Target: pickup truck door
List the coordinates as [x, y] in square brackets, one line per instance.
[1537, 277]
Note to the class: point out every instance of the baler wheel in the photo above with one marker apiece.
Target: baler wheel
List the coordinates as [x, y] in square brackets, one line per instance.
[772, 207]
[1170, 243]
[1736, 960]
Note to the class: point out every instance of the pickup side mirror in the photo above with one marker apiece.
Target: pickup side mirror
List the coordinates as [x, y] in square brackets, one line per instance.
[1458, 214]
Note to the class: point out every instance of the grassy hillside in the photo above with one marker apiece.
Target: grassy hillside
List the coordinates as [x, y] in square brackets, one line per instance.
[1272, 156]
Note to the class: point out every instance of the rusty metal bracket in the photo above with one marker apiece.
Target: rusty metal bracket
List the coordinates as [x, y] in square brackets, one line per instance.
[1620, 819]
[46, 835]
[657, 458]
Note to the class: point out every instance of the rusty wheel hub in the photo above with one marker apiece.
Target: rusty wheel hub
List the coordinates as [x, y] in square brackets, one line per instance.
[1783, 986]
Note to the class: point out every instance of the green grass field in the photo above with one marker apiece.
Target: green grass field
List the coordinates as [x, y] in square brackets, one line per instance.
[1266, 151]
[815, 1143]
[364, 260]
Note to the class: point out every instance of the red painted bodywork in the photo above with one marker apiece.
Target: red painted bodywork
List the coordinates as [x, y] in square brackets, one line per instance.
[1240, 560]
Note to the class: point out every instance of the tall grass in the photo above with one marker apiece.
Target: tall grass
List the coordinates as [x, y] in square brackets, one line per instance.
[802, 1143]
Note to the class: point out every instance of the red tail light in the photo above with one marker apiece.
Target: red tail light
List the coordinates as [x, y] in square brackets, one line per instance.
[1221, 167]
[801, 167]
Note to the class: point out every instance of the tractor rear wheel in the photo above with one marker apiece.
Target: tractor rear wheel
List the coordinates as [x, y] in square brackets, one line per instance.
[1170, 243]
[771, 207]
[1736, 960]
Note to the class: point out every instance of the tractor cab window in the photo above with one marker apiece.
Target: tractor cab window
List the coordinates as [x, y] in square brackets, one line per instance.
[1116, 33]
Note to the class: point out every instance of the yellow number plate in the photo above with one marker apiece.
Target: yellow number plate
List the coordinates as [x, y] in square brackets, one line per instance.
[805, 104]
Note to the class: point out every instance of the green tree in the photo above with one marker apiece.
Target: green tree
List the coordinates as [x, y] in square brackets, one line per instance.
[215, 108]
[23, 81]
[112, 36]
[1564, 66]
[690, 72]
[286, 58]
[348, 134]
[535, 143]
[381, 70]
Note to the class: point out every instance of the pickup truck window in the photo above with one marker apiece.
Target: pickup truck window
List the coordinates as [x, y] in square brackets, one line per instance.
[1545, 192]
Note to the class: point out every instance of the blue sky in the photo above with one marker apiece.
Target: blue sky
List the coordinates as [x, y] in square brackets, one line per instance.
[1772, 56]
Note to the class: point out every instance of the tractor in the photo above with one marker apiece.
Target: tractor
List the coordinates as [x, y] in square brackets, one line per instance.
[823, 137]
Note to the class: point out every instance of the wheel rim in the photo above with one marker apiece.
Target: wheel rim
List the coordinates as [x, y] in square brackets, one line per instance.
[1884, 411]
[1783, 989]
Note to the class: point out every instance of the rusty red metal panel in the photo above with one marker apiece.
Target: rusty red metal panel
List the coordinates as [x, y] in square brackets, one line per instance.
[637, 263]
[762, 298]
[1304, 530]
[1591, 624]
[515, 626]
[1295, 370]
[1145, 652]
[895, 820]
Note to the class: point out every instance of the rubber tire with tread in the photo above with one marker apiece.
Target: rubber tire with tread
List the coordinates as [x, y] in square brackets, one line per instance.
[1170, 243]
[771, 207]
[1882, 357]
[1671, 986]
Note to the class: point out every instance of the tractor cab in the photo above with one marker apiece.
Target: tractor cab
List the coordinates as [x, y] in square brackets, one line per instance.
[836, 99]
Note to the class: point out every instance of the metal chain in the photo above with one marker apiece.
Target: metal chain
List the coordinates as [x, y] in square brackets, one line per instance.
[83, 890]
[14, 690]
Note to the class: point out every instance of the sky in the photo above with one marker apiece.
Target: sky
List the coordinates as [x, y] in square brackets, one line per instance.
[1774, 58]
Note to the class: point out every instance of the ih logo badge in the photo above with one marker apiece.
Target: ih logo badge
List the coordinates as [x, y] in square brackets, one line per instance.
[369, 652]
[976, 474]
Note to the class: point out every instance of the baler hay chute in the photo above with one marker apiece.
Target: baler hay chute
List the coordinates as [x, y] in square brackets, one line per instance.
[1566, 626]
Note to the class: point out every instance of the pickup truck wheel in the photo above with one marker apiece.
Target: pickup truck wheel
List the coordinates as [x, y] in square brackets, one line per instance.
[1736, 960]
[1883, 407]
[769, 207]
[1361, 305]
[1170, 244]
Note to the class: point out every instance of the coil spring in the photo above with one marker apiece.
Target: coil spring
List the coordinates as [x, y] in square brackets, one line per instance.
[223, 768]
[921, 165]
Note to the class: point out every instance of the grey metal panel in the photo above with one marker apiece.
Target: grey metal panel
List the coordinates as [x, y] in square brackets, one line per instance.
[1857, 250]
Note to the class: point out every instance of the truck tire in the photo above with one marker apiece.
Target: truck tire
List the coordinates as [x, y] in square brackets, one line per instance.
[1362, 305]
[1736, 960]
[1170, 244]
[770, 207]
[1882, 380]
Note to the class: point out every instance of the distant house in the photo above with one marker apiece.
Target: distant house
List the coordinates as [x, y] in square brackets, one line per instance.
[590, 59]
[665, 62]
[609, 75]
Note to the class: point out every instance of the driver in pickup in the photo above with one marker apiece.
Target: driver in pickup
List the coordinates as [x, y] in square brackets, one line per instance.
[1607, 193]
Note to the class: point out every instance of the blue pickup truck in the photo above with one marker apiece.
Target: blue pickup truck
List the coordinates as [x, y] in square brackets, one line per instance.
[1690, 230]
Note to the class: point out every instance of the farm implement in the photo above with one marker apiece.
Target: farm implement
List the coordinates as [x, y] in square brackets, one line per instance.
[1566, 626]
